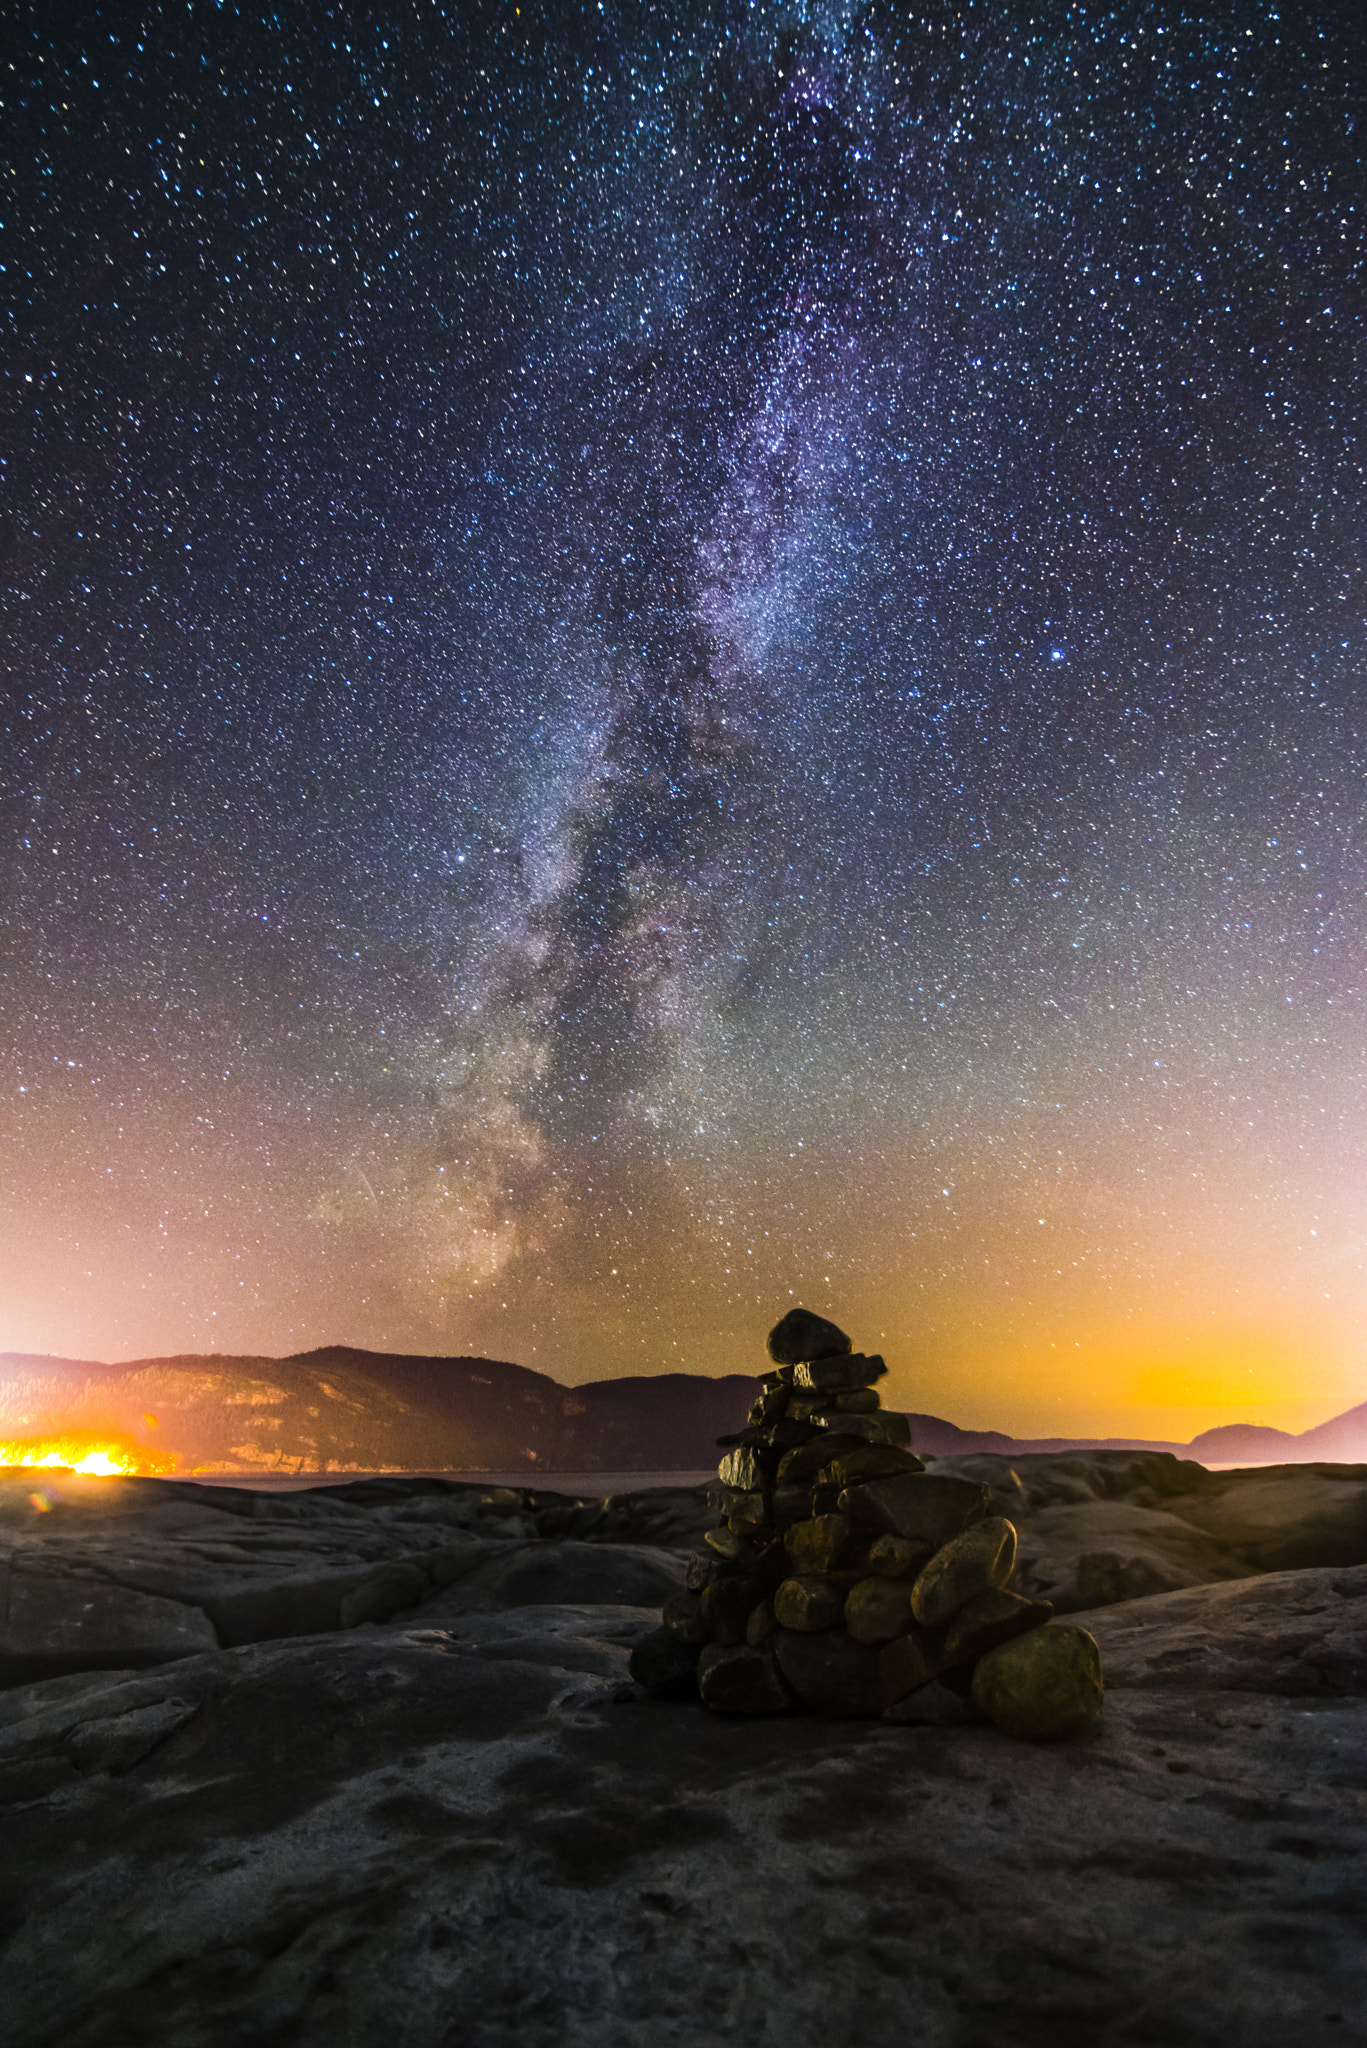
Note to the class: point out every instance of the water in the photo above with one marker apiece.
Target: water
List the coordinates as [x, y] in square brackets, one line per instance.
[593, 1484]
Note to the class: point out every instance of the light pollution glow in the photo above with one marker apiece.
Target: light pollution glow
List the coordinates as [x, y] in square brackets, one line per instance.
[729, 673]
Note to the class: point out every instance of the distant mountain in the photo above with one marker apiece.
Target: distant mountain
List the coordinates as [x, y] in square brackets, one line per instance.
[941, 1439]
[1342, 1441]
[340, 1409]
[1249, 1442]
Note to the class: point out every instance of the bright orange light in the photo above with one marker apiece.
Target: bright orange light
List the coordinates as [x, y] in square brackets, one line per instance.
[94, 1456]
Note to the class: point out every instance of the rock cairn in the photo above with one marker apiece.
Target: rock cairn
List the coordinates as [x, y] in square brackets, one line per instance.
[845, 1579]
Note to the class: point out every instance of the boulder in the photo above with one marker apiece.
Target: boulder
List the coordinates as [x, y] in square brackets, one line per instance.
[790, 1504]
[665, 1666]
[809, 1603]
[838, 1375]
[830, 1673]
[872, 1461]
[975, 1562]
[929, 1507]
[934, 1706]
[726, 1607]
[742, 1468]
[833, 1411]
[872, 1426]
[821, 1544]
[887, 1427]
[683, 1617]
[877, 1609]
[761, 1624]
[1042, 1687]
[910, 1661]
[988, 1619]
[808, 1459]
[896, 1557]
[801, 1335]
[742, 1681]
[861, 1401]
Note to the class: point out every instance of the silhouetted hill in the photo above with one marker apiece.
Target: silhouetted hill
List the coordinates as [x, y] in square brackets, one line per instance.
[341, 1409]
[1342, 1441]
[1244, 1440]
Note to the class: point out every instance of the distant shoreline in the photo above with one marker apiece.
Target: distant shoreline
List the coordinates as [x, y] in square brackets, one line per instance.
[548, 1481]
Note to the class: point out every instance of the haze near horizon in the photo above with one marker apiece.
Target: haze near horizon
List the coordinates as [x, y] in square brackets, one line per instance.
[666, 661]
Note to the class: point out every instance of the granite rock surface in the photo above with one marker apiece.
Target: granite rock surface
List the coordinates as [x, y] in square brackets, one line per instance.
[440, 1813]
[481, 1834]
[1096, 1527]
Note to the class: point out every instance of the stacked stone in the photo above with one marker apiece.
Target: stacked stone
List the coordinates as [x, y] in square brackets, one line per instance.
[846, 1579]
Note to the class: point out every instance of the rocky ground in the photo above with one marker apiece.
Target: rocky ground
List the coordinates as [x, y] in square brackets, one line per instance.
[365, 1765]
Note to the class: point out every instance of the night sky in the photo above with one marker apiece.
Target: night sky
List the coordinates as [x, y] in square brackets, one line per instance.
[661, 660]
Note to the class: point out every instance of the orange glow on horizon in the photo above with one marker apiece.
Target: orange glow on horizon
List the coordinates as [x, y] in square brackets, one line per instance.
[93, 1457]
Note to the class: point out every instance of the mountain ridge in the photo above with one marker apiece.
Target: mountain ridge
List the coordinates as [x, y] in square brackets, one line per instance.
[339, 1407]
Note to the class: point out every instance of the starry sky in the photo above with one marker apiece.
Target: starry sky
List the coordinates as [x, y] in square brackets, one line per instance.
[664, 659]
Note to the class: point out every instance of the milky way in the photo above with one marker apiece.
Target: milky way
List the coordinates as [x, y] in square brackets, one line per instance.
[661, 660]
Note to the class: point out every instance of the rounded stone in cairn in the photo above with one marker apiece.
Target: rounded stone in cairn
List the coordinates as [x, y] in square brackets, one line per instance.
[742, 1469]
[978, 1561]
[870, 1461]
[770, 1406]
[934, 1706]
[929, 1506]
[831, 1673]
[1044, 1686]
[665, 1666]
[886, 1427]
[792, 1504]
[702, 1568]
[761, 1624]
[989, 1619]
[742, 1680]
[837, 1375]
[911, 1661]
[821, 1544]
[897, 1557]
[834, 1411]
[876, 1610]
[801, 1335]
[683, 1617]
[806, 1460]
[726, 1609]
[808, 1604]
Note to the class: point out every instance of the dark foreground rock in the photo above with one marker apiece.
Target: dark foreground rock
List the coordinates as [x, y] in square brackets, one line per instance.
[440, 1813]
[483, 1836]
[120, 1573]
[1096, 1527]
